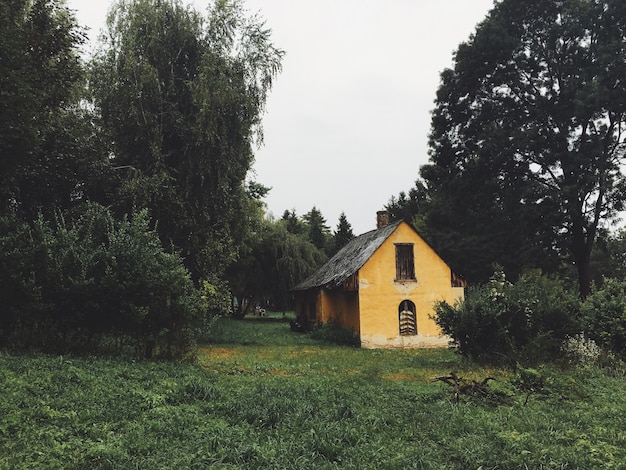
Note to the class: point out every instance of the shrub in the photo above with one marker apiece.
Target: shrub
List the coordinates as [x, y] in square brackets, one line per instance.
[582, 350]
[532, 382]
[92, 283]
[604, 316]
[501, 322]
[332, 332]
[19, 293]
[157, 304]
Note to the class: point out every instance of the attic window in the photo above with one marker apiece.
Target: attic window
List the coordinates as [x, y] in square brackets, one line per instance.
[405, 263]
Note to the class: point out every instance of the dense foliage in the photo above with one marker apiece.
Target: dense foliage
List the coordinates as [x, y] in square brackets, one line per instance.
[503, 323]
[94, 285]
[159, 127]
[50, 158]
[608, 258]
[604, 316]
[275, 260]
[279, 254]
[182, 99]
[528, 139]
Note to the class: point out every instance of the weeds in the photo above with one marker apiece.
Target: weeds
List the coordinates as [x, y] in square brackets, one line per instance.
[298, 404]
[333, 333]
[531, 382]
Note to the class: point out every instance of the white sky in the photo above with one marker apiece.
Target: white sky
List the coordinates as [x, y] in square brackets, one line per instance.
[348, 118]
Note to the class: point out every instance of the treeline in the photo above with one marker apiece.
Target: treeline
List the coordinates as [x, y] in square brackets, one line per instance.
[279, 254]
[127, 215]
[124, 197]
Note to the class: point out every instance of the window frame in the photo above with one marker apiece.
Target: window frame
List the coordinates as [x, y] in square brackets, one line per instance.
[405, 262]
[407, 314]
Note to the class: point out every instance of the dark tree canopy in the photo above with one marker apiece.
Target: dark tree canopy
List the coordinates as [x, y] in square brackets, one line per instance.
[276, 260]
[317, 229]
[182, 98]
[411, 207]
[115, 173]
[45, 136]
[292, 222]
[343, 234]
[528, 133]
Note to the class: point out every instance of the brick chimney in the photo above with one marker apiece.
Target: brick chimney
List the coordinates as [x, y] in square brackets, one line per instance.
[382, 219]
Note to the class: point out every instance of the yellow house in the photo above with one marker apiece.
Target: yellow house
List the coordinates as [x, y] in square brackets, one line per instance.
[383, 285]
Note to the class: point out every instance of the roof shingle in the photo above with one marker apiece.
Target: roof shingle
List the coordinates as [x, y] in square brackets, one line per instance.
[348, 260]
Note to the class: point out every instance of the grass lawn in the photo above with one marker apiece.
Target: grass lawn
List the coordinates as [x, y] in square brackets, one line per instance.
[260, 396]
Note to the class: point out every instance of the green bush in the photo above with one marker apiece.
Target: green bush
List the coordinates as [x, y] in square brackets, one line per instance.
[604, 317]
[95, 284]
[20, 296]
[500, 322]
[336, 334]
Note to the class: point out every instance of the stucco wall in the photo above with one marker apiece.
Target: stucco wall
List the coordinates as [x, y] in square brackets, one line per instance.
[324, 305]
[342, 307]
[380, 295]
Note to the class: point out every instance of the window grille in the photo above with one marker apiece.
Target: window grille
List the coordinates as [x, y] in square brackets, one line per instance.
[407, 318]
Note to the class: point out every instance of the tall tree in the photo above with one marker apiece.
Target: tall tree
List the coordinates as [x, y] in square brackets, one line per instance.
[412, 207]
[182, 98]
[292, 223]
[317, 229]
[45, 135]
[343, 234]
[289, 259]
[530, 124]
[276, 260]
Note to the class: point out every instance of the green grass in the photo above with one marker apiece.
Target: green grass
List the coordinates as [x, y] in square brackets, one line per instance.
[260, 396]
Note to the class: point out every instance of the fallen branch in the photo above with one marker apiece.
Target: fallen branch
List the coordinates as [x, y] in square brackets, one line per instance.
[472, 388]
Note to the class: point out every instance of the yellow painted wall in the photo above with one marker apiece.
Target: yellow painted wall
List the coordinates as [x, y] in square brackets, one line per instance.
[372, 312]
[380, 295]
[342, 307]
[337, 305]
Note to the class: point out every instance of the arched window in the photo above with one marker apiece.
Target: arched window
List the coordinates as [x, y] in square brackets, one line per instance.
[406, 318]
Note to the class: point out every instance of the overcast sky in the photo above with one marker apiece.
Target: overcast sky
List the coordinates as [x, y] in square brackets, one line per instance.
[348, 118]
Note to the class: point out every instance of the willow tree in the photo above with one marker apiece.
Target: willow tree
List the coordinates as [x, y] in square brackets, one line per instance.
[276, 260]
[534, 111]
[181, 96]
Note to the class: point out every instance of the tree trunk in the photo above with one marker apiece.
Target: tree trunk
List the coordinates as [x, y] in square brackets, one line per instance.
[584, 274]
[149, 349]
[581, 253]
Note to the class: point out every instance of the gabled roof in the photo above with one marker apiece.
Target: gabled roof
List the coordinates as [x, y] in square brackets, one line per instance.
[349, 259]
